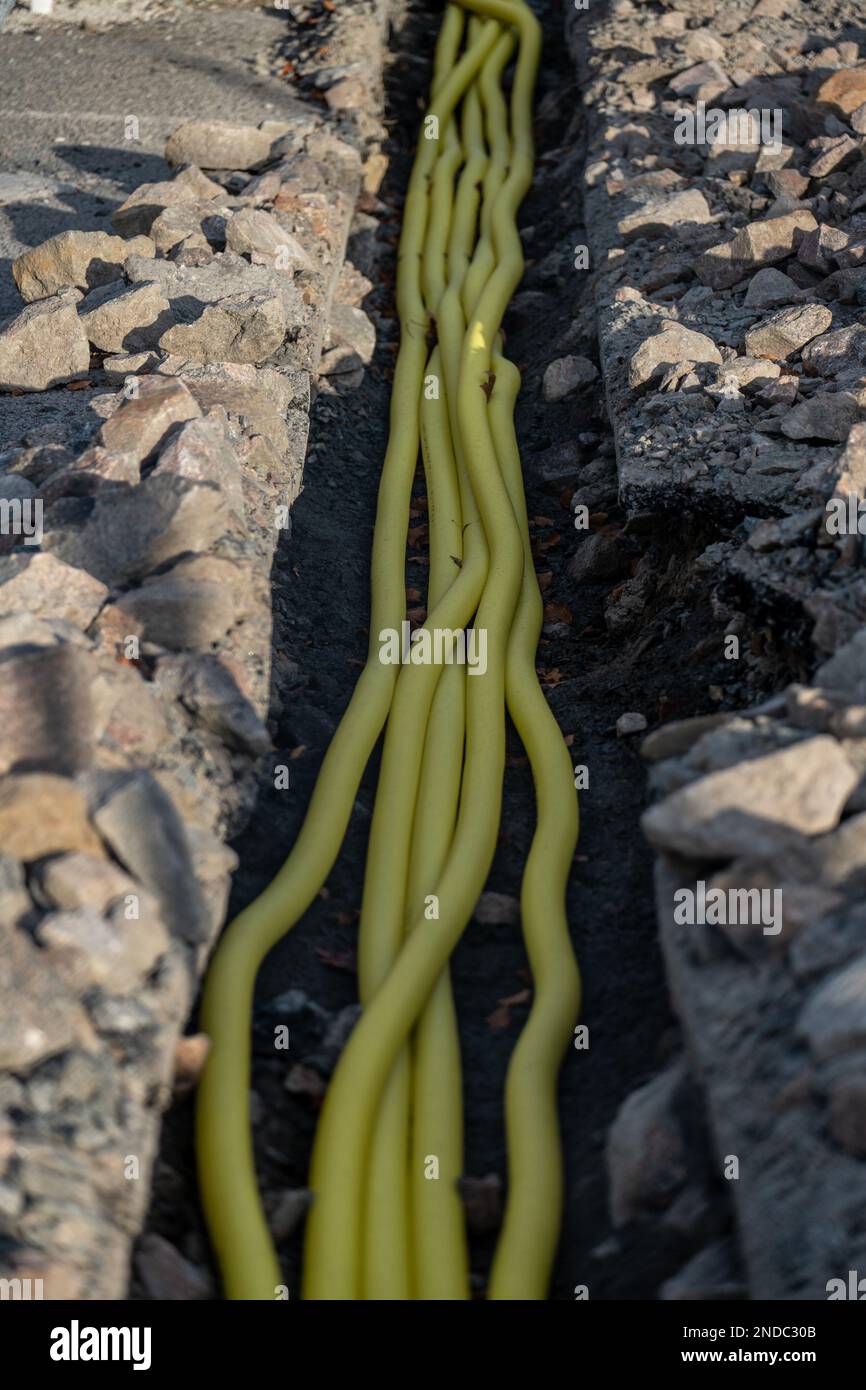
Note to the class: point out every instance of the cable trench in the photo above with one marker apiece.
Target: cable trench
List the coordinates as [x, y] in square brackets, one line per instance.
[387, 1220]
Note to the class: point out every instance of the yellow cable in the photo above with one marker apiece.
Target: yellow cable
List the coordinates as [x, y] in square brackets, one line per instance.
[527, 1245]
[226, 1165]
[349, 1112]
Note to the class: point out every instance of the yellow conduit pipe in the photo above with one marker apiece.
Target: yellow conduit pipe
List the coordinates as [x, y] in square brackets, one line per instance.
[226, 1165]
[527, 1245]
[349, 1112]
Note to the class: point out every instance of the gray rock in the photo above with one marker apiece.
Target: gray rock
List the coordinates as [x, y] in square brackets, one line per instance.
[137, 214]
[242, 328]
[128, 535]
[645, 1156]
[210, 690]
[704, 81]
[118, 318]
[819, 249]
[77, 880]
[666, 349]
[630, 723]
[88, 951]
[834, 1018]
[81, 259]
[349, 330]
[759, 244]
[42, 585]
[829, 416]
[769, 288]
[138, 819]
[218, 145]
[192, 224]
[834, 153]
[758, 806]
[142, 421]
[656, 218]
[846, 669]
[43, 346]
[831, 354]
[600, 555]
[202, 451]
[51, 711]
[189, 607]
[785, 332]
[166, 1275]
[252, 232]
[37, 1017]
[566, 375]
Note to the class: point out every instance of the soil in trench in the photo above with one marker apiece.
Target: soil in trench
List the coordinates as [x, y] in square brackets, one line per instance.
[659, 663]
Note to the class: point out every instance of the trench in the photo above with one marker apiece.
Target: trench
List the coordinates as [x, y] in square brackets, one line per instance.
[656, 662]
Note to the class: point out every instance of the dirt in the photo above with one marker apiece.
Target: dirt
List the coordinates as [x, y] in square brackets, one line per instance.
[661, 666]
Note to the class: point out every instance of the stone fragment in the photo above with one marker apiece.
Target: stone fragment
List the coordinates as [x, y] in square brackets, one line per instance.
[80, 259]
[167, 1275]
[830, 416]
[141, 824]
[350, 330]
[43, 346]
[253, 232]
[50, 708]
[757, 806]
[39, 583]
[759, 244]
[704, 82]
[89, 951]
[497, 909]
[143, 419]
[645, 1156]
[118, 318]
[189, 607]
[833, 353]
[212, 691]
[630, 723]
[78, 880]
[787, 331]
[137, 214]
[600, 555]
[665, 349]
[202, 451]
[218, 145]
[199, 224]
[769, 288]
[240, 328]
[37, 1017]
[40, 814]
[656, 218]
[833, 1020]
[819, 249]
[566, 375]
[786, 183]
[845, 90]
[128, 535]
[834, 152]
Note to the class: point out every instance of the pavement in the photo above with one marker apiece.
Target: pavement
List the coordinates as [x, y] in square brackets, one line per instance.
[84, 115]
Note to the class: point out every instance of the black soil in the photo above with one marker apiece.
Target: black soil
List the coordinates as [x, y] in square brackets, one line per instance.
[667, 664]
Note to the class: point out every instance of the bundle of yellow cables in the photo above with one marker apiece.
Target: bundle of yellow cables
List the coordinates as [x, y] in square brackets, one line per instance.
[387, 1220]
